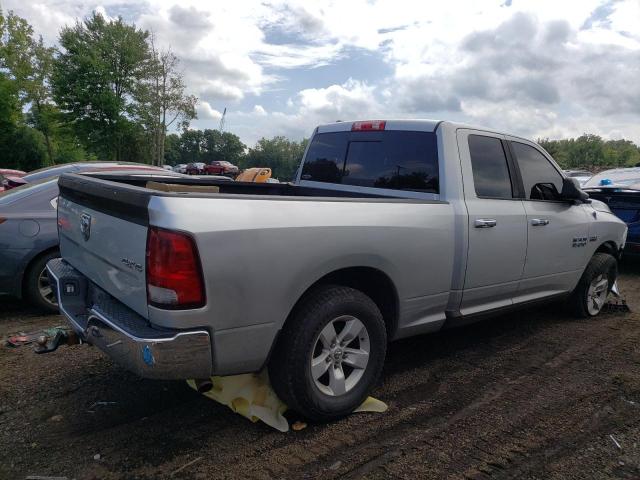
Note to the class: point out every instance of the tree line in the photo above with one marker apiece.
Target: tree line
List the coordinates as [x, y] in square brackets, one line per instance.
[105, 93]
[279, 153]
[108, 93]
[591, 152]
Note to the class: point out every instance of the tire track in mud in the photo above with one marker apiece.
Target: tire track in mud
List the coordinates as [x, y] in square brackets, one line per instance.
[511, 397]
[534, 408]
[432, 420]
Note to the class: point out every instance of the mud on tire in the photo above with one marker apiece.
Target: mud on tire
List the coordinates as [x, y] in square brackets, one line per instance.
[602, 265]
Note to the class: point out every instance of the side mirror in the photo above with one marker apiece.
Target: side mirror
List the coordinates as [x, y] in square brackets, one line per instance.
[571, 191]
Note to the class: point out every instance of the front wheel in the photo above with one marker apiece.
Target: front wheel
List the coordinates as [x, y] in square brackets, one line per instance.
[330, 353]
[590, 295]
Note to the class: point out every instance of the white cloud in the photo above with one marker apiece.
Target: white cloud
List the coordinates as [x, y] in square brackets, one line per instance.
[259, 110]
[206, 112]
[352, 98]
[535, 68]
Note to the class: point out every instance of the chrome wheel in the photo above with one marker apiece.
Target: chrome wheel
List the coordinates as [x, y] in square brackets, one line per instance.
[340, 355]
[44, 288]
[597, 294]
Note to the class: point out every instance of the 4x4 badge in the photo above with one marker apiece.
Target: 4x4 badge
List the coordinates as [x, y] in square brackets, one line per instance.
[85, 226]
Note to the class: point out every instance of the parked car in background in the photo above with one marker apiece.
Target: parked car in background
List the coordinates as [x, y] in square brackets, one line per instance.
[195, 168]
[10, 178]
[29, 235]
[180, 168]
[221, 167]
[619, 188]
[13, 182]
[8, 172]
[57, 170]
[581, 175]
[168, 168]
[392, 229]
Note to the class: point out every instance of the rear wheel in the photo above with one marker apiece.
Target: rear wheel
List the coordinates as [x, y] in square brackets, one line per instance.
[330, 353]
[37, 285]
[594, 286]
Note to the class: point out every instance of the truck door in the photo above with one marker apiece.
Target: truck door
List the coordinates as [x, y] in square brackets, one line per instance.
[497, 222]
[558, 230]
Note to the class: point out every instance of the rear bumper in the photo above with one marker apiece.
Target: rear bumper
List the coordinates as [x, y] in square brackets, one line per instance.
[125, 336]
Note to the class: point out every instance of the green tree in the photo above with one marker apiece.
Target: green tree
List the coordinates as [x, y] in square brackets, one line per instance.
[29, 62]
[220, 146]
[281, 155]
[172, 149]
[191, 146]
[97, 82]
[592, 152]
[20, 145]
[166, 102]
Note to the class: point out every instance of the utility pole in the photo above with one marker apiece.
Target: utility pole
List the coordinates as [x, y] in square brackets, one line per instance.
[221, 126]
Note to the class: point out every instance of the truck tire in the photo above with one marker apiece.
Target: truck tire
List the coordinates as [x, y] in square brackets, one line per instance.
[330, 353]
[36, 284]
[596, 282]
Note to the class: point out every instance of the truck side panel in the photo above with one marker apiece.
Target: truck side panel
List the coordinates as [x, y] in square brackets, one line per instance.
[259, 256]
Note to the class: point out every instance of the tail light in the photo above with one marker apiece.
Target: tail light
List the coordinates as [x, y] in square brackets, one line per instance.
[368, 126]
[174, 273]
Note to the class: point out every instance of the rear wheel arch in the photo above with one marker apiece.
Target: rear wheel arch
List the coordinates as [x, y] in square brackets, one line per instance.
[373, 282]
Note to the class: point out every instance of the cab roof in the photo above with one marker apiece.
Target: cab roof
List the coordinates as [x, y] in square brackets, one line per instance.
[420, 125]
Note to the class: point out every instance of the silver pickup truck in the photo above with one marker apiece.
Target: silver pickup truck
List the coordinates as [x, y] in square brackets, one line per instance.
[391, 229]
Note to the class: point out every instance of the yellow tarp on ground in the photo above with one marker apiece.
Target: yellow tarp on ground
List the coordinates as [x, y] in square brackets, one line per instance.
[251, 396]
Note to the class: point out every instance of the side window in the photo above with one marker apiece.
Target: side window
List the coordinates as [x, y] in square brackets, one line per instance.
[541, 180]
[490, 170]
[325, 159]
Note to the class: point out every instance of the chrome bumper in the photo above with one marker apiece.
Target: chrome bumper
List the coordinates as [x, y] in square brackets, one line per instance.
[124, 335]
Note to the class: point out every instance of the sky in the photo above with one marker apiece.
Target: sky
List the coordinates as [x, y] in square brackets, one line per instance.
[540, 68]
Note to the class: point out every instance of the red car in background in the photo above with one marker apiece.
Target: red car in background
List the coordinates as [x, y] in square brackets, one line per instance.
[7, 172]
[10, 178]
[221, 168]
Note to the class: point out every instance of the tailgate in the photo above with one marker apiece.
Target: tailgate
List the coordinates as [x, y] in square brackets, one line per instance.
[103, 234]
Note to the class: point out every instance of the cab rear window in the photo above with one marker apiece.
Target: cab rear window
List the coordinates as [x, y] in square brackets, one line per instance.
[391, 159]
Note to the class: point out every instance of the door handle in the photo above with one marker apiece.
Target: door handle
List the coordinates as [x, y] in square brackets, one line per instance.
[539, 222]
[485, 223]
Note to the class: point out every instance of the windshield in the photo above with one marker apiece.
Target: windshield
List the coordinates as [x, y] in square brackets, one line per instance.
[24, 191]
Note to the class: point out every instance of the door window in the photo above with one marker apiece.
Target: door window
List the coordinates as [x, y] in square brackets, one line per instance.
[490, 170]
[541, 180]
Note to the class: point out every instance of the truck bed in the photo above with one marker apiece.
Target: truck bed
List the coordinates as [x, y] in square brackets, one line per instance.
[226, 187]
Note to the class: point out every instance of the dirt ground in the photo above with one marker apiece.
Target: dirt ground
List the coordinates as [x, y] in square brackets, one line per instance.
[534, 394]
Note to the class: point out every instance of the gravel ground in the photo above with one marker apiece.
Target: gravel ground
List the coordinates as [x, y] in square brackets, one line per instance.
[535, 394]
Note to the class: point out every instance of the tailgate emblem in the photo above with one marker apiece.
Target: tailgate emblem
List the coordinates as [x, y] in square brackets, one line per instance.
[85, 226]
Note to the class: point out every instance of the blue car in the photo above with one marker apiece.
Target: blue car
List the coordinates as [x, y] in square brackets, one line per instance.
[29, 232]
[620, 190]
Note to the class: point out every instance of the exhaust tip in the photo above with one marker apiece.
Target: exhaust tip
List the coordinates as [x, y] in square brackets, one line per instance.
[203, 384]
